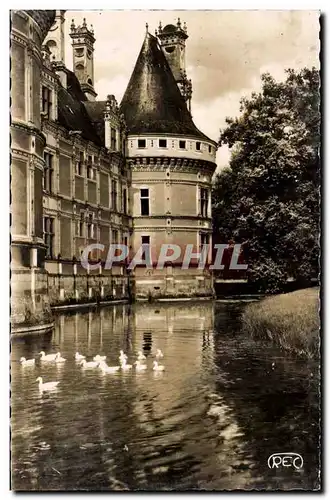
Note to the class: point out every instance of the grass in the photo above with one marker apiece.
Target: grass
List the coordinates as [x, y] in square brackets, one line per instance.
[291, 320]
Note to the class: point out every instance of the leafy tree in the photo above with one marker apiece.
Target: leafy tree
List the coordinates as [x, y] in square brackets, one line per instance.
[268, 197]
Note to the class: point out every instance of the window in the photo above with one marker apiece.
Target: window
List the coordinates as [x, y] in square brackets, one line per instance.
[182, 144]
[125, 201]
[47, 104]
[113, 139]
[114, 195]
[162, 143]
[90, 227]
[144, 197]
[80, 226]
[79, 164]
[198, 146]
[49, 236]
[210, 149]
[141, 143]
[145, 240]
[204, 198]
[205, 239]
[114, 236]
[91, 173]
[48, 173]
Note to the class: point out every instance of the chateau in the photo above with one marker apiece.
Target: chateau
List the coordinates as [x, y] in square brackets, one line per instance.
[85, 171]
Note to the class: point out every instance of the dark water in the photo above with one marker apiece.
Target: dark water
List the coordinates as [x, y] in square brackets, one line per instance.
[209, 422]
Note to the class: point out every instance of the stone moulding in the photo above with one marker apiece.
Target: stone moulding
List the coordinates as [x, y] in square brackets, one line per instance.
[156, 164]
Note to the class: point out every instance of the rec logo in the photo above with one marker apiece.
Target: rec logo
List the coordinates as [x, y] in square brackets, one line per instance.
[287, 459]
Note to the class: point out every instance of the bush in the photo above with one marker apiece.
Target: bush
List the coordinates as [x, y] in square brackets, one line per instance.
[290, 320]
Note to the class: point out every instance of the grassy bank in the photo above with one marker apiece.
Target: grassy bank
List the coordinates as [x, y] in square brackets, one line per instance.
[290, 320]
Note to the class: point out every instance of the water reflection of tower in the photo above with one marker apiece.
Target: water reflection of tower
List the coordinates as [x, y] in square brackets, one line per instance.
[147, 341]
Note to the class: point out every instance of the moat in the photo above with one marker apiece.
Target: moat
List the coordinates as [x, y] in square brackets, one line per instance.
[223, 405]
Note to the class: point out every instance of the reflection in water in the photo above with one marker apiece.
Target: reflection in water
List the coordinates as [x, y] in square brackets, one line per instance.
[209, 421]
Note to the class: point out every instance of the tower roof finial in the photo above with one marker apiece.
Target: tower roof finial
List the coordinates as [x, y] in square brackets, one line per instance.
[147, 27]
[179, 23]
[84, 23]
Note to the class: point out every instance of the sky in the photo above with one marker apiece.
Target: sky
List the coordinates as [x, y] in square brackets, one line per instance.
[226, 53]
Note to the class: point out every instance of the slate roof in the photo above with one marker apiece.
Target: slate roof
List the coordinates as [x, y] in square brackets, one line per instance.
[153, 102]
[72, 113]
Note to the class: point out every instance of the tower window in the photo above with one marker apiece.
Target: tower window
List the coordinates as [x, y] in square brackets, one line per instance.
[145, 240]
[182, 144]
[170, 49]
[204, 199]
[48, 173]
[141, 143]
[210, 149]
[49, 236]
[198, 146]
[144, 200]
[162, 143]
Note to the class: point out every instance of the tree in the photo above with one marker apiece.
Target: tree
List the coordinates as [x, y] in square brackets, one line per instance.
[268, 197]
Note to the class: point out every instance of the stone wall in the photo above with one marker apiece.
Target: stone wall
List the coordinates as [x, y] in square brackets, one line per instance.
[81, 289]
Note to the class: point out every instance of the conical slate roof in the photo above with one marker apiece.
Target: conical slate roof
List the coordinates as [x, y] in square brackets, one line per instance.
[153, 102]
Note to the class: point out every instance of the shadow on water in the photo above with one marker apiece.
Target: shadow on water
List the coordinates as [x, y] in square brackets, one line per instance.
[208, 422]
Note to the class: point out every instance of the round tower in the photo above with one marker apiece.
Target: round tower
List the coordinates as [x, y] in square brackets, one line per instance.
[30, 310]
[172, 164]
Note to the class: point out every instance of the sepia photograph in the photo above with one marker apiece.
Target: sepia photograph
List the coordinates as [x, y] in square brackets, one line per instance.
[165, 215]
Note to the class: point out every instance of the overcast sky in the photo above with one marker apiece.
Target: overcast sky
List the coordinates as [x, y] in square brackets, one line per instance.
[226, 53]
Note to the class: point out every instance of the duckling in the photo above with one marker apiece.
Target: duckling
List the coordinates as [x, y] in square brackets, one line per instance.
[159, 354]
[141, 356]
[48, 357]
[122, 356]
[89, 364]
[27, 362]
[108, 369]
[157, 367]
[125, 366]
[48, 386]
[79, 357]
[59, 358]
[99, 358]
[139, 366]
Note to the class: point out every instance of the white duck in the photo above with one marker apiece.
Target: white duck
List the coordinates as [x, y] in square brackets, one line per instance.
[122, 357]
[108, 369]
[157, 367]
[89, 364]
[159, 354]
[48, 386]
[141, 356]
[48, 357]
[99, 358]
[59, 358]
[139, 366]
[27, 362]
[125, 366]
[79, 357]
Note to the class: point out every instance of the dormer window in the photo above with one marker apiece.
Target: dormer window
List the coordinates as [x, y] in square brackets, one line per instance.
[162, 143]
[141, 143]
[198, 146]
[113, 139]
[47, 102]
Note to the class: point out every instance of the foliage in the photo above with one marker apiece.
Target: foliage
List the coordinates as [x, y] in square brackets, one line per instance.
[268, 197]
[290, 320]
